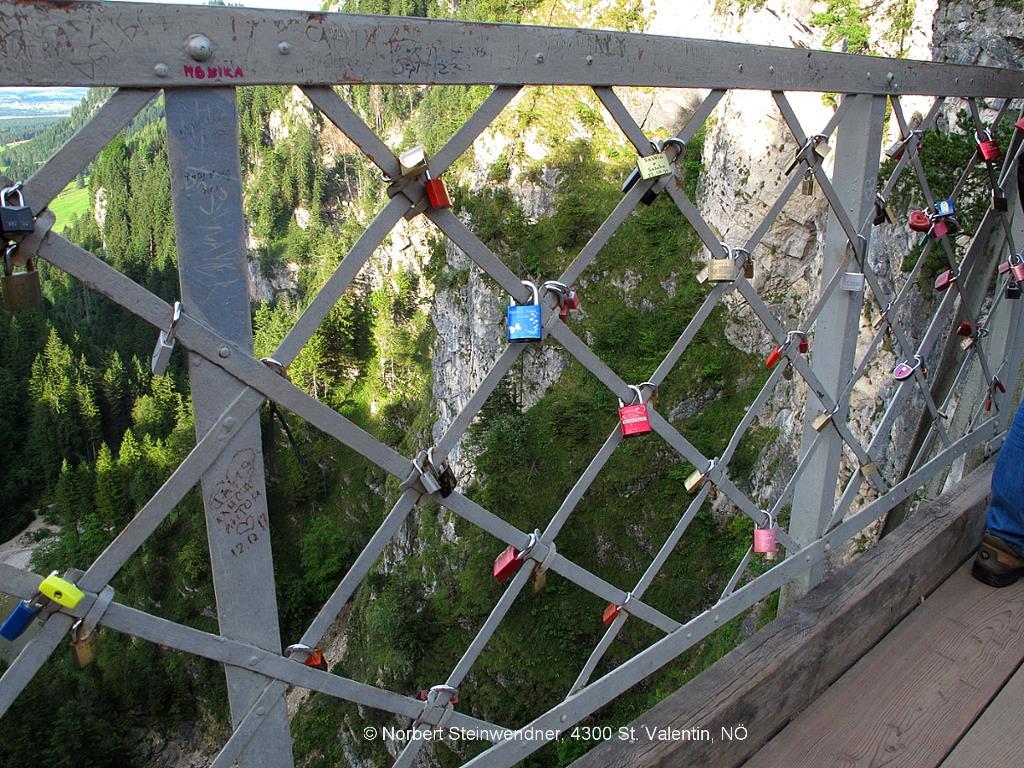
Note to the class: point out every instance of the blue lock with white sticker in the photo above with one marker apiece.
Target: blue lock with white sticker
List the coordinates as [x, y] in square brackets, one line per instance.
[945, 208]
[524, 320]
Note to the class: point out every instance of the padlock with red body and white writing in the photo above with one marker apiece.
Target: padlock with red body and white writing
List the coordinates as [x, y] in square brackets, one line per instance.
[764, 539]
[988, 147]
[634, 419]
[1017, 266]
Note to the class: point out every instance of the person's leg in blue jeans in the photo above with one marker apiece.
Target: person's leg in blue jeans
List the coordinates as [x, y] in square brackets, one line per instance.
[1000, 560]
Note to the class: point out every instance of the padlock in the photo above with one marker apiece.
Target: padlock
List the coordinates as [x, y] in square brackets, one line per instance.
[945, 208]
[165, 344]
[999, 201]
[883, 211]
[967, 343]
[444, 473]
[634, 420]
[804, 345]
[85, 648]
[944, 280]
[653, 166]
[18, 619]
[423, 695]
[822, 420]
[1019, 125]
[941, 228]
[22, 290]
[611, 613]
[507, 564]
[648, 197]
[524, 320]
[1004, 267]
[764, 539]
[1013, 289]
[722, 270]
[807, 185]
[788, 373]
[61, 591]
[413, 161]
[919, 221]
[570, 301]
[988, 147]
[437, 193]
[1017, 266]
[748, 267]
[966, 329]
[310, 657]
[821, 147]
[430, 483]
[905, 370]
[696, 478]
[896, 149]
[775, 355]
[16, 218]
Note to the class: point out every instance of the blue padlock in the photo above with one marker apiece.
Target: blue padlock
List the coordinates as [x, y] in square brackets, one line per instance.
[524, 320]
[17, 621]
[945, 208]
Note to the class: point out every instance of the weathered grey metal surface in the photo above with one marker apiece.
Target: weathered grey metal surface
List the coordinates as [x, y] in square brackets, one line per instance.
[206, 185]
[136, 44]
[835, 339]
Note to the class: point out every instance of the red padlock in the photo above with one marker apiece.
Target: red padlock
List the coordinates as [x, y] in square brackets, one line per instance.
[941, 228]
[764, 539]
[311, 657]
[1017, 266]
[988, 147]
[997, 383]
[1019, 125]
[1004, 267]
[919, 221]
[946, 279]
[966, 329]
[634, 419]
[507, 564]
[774, 356]
[423, 694]
[437, 193]
[611, 613]
[804, 345]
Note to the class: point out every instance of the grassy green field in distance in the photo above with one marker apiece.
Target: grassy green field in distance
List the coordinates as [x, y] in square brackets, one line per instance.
[69, 204]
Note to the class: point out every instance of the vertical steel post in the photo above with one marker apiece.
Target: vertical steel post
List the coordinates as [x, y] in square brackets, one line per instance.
[855, 178]
[203, 150]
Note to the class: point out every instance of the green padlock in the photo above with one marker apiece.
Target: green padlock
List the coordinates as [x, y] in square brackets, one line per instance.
[61, 591]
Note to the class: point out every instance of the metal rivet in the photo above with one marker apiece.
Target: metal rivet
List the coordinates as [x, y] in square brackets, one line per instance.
[890, 76]
[229, 423]
[807, 558]
[199, 47]
[740, 67]
[283, 48]
[160, 70]
[771, 69]
[254, 660]
[261, 710]
[868, 75]
[689, 635]
[223, 351]
[590, 59]
[540, 58]
[563, 718]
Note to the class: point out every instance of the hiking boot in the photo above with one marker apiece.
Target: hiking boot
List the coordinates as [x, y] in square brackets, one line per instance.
[996, 563]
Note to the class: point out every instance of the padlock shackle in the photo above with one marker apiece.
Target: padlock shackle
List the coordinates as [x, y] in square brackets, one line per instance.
[173, 328]
[536, 295]
[8, 190]
[770, 521]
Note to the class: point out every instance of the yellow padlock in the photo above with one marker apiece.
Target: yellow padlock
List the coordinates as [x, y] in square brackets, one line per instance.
[61, 591]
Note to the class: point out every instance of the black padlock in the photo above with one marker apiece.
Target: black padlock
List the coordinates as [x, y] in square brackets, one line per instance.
[999, 201]
[21, 289]
[1013, 289]
[445, 475]
[15, 219]
[648, 197]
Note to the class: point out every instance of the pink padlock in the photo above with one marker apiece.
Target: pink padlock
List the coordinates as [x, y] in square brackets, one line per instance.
[940, 229]
[905, 370]
[1017, 266]
[764, 539]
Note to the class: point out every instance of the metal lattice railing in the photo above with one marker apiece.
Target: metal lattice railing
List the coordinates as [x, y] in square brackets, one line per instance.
[230, 384]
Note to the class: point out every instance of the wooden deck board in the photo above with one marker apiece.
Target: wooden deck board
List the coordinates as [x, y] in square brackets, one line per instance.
[907, 702]
[995, 739]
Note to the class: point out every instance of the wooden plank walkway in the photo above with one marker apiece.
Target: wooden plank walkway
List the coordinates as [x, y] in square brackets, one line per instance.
[943, 689]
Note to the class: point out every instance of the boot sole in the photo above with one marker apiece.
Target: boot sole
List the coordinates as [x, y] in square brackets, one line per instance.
[995, 579]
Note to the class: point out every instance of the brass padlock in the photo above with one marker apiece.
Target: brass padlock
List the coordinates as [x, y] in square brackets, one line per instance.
[748, 268]
[653, 166]
[22, 290]
[822, 420]
[722, 270]
[807, 185]
[821, 146]
[85, 647]
[540, 578]
[693, 482]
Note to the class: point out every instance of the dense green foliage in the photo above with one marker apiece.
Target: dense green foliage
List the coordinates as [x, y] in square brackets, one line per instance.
[846, 22]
